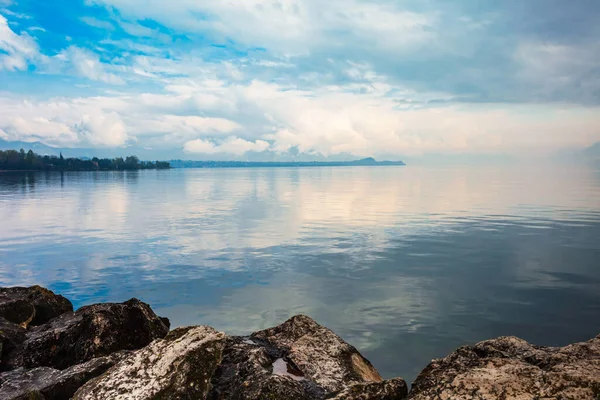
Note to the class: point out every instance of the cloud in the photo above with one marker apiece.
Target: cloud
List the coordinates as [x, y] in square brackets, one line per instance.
[103, 130]
[16, 51]
[50, 131]
[98, 23]
[232, 145]
[284, 25]
[62, 122]
[191, 124]
[87, 64]
[554, 70]
[330, 121]
[308, 78]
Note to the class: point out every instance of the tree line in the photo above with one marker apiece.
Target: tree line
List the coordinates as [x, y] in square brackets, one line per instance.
[21, 160]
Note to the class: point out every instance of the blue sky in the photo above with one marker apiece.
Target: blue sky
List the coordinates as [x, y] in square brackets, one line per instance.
[266, 79]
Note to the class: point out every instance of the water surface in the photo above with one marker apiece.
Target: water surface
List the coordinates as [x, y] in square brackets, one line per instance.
[405, 263]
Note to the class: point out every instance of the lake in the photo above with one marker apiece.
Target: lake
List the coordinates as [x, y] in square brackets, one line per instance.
[405, 263]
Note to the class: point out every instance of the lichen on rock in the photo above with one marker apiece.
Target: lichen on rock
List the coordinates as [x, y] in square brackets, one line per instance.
[52, 384]
[511, 368]
[92, 331]
[180, 366]
[392, 389]
[320, 354]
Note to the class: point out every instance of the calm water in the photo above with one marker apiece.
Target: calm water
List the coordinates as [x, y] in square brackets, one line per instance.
[405, 263]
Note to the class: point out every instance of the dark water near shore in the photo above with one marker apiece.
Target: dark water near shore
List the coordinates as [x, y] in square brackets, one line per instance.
[405, 263]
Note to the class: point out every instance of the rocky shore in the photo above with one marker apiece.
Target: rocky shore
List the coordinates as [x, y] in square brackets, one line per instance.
[125, 351]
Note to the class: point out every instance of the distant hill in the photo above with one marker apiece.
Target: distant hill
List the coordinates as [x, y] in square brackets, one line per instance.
[258, 164]
[81, 152]
[36, 147]
[593, 152]
[254, 159]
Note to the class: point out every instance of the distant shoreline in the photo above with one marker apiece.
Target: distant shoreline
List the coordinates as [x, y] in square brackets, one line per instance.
[367, 162]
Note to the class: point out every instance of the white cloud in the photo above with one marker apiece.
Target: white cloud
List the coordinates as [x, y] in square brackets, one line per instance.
[16, 51]
[232, 145]
[51, 131]
[104, 129]
[180, 128]
[87, 64]
[62, 122]
[98, 23]
[551, 69]
[287, 26]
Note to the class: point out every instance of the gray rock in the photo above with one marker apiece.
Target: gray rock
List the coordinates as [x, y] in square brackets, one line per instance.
[32, 305]
[11, 337]
[252, 371]
[90, 332]
[52, 384]
[511, 368]
[321, 355]
[179, 366]
[392, 389]
[298, 360]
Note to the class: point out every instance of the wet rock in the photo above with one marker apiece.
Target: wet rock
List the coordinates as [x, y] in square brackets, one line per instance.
[11, 337]
[32, 305]
[179, 366]
[251, 371]
[90, 332]
[51, 384]
[321, 355]
[509, 367]
[392, 389]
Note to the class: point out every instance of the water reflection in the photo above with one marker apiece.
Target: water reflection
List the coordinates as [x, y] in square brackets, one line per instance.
[405, 263]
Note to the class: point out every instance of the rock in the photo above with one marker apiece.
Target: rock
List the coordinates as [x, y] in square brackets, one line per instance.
[392, 389]
[18, 311]
[11, 337]
[320, 355]
[90, 332]
[51, 384]
[166, 321]
[253, 371]
[298, 360]
[31, 305]
[509, 367]
[179, 366]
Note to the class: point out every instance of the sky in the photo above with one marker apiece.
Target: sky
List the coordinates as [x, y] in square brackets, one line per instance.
[302, 79]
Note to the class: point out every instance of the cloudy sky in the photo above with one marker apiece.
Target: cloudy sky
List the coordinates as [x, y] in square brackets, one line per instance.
[266, 79]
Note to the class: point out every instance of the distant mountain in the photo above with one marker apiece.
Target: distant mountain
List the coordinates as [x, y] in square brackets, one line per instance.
[36, 147]
[267, 159]
[593, 152]
[83, 153]
[261, 164]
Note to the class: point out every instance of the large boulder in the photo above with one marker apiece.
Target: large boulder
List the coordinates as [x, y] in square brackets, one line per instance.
[11, 337]
[32, 305]
[298, 360]
[392, 389]
[319, 354]
[255, 371]
[178, 367]
[92, 331]
[51, 384]
[509, 367]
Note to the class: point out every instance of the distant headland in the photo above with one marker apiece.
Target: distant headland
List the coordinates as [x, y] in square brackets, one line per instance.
[367, 162]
